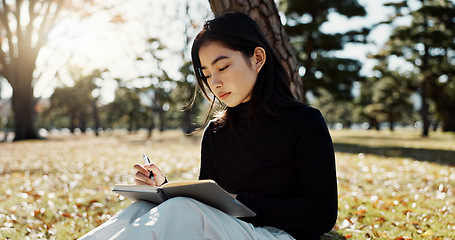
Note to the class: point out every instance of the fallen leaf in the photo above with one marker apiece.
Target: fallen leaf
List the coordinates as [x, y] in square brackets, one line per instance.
[413, 222]
[427, 233]
[360, 212]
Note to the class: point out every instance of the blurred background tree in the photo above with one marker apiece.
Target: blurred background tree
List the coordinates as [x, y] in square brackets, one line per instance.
[334, 111]
[24, 30]
[153, 82]
[188, 118]
[186, 89]
[77, 103]
[320, 68]
[390, 100]
[427, 45]
[127, 110]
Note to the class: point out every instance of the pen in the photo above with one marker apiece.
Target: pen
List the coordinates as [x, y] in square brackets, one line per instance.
[147, 161]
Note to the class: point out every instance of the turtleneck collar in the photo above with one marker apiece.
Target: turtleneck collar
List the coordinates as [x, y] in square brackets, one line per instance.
[243, 110]
[242, 107]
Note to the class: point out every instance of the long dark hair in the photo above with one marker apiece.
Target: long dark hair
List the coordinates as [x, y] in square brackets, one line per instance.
[239, 32]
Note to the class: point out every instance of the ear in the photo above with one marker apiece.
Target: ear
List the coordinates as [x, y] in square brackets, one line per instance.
[258, 58]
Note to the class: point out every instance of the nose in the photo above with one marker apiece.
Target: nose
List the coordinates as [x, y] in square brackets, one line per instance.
[215, 82]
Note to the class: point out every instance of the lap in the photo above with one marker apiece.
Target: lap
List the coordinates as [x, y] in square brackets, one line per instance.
[179, 218]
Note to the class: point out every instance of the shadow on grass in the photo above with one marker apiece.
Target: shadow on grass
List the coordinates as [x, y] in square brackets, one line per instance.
[333, 235]
[444, 157]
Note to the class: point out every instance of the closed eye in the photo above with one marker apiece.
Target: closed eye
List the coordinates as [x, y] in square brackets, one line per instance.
[222, 69]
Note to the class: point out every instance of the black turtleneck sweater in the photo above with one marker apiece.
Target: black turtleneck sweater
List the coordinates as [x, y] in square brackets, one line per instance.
[282, 167]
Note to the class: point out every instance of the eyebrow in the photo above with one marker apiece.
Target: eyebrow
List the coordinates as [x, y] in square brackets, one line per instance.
[216, 60]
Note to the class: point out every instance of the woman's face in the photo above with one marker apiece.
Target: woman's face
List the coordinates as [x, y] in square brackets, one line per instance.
[229, 74]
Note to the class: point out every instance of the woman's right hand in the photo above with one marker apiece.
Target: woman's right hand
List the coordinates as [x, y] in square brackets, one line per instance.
[142, 176]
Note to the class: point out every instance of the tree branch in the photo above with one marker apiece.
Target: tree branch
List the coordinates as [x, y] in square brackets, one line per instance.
[32, 14]
[8, 30]
[3, 66]
[47, 25]
[7, 67]
[44, 26]
[19, 34]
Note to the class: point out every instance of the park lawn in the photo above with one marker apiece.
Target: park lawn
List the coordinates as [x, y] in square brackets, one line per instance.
[391, 185]
[395, 185]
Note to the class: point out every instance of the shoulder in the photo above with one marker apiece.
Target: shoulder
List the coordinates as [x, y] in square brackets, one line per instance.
[301, 112]
[303, 119]
[211, 128]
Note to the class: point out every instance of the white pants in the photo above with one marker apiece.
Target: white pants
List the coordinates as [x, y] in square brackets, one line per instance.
[179, 218]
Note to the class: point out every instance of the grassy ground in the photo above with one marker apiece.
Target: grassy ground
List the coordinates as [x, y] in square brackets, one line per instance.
[391, 185]
[395, 185]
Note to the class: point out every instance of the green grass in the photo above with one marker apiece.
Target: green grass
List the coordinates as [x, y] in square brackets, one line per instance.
[395, 185]
[391, 185]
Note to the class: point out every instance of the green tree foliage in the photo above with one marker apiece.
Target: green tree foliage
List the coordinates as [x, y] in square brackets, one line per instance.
[138, 107]
[158, 92]
[390, 100]
[76, 103]
[335, 111]
[427, 43]
[184, 97]
[181, 97]
[364, 99]
[315, 49]
[128, 110]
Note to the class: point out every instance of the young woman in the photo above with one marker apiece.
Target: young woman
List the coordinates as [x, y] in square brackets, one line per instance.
[274, 154]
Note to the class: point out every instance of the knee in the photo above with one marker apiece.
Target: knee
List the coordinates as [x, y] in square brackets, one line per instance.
[178, 201]
[180, 204]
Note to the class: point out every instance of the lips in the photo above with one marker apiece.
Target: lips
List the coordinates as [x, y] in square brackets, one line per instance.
[224, 95]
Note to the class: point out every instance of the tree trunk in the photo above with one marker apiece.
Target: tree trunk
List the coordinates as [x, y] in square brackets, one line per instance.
[20, 77]
[265, 13]
[445, 107]
[74, 121]
[435, 125]
[23, 108]
[96, 118]
[449, 123]
[424, 112]
[83, 122]
[374, 124]
[151, 127]
[447, 112]
[391, 122]
[130, 121]
[162, 119]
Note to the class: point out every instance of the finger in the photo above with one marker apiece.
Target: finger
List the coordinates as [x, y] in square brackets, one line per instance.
[141, 168]
[139, 182]
[157, 173]
[141, 179]
[142, 175]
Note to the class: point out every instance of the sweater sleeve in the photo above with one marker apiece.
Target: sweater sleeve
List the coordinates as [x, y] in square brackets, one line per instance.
[314, 211]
